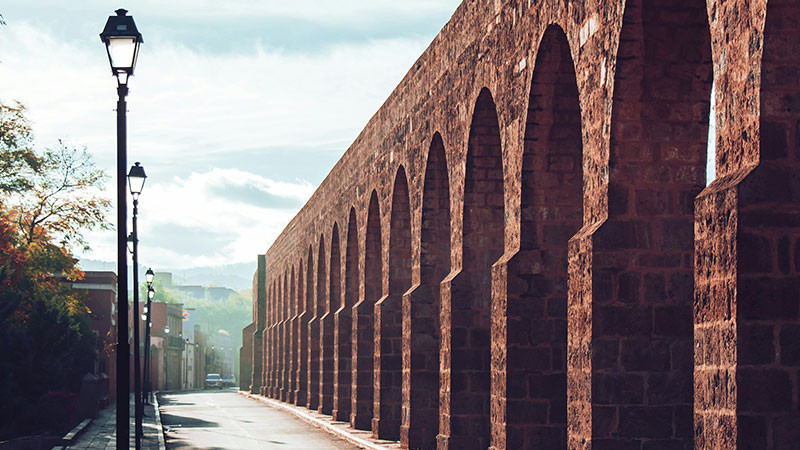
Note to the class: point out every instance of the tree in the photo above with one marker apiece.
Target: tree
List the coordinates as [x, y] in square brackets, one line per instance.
[46, 345]
[163, 294]
[18, 162]
[63, 198]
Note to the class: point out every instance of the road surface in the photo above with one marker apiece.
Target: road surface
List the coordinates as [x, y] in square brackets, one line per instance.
[224, 419]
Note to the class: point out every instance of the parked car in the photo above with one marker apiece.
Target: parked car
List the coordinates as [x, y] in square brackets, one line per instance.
[213, 380]
[228, 382]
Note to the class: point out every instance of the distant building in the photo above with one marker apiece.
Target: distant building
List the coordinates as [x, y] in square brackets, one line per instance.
[166, 336]
[189, 350]
[213, 293]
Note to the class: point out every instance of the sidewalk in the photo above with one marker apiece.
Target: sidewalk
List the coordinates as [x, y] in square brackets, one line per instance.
[360, 438]
[101, 433]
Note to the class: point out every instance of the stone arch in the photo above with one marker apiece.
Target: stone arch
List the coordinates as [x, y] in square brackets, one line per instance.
[363, 321]
[301, 364]
[421, 308]
[291, 342]
[551, 201]
[273, 339]
[747, 328]
[310, 321]
[312, 335]
[344, 324]
[466, 423]
[389, 319]
[268, 343]
[642, 274]
[316, 349]
[326, 325]
[283, 303]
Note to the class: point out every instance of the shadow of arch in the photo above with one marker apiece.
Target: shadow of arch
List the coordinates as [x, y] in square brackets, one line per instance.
[301, 365]
[642, 274]
[421, 308]
[389, 319]
[465, 417]
[326, 325]
[551, 213]
[344, 324]
[363, 322]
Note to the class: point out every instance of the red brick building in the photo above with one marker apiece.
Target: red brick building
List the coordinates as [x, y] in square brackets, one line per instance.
[166, 347]
[101, 301]
[520, 250]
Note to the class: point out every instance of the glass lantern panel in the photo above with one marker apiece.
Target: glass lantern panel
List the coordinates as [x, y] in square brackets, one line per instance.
[136, 184]
[121, 50]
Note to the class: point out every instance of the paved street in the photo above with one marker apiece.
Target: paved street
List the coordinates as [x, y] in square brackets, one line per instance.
[225, 419]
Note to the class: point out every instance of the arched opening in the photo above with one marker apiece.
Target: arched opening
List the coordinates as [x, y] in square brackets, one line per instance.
[267, 343]
[344, 324]
[308, 346]
[301, 364]
[276, 345]
[316, 330]
[643, 255]
[421, 420]
[327, 325]
[483, 227]
[551, 213]
[747, 310]
[389, 320]
[291, 343]
[283, 352]
[273, 341]
[363, 321]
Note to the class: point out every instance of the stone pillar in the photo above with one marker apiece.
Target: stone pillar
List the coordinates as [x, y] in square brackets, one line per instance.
[261, 317]
[747, 233]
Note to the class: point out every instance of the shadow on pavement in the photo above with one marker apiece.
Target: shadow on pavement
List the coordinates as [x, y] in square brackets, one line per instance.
[173, 420]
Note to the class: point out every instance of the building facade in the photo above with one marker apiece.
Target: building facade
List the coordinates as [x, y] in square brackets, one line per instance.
[101, 302]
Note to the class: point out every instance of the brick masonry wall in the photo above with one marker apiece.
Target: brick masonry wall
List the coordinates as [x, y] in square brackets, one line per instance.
[519, 250]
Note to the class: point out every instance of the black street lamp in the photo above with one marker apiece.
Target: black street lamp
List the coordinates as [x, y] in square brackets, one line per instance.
[148, 277]
[122, 41]
[136, 179]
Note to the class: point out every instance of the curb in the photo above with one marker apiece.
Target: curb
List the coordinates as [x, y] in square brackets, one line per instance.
[329, 425]
[68, 438]
[161, 441]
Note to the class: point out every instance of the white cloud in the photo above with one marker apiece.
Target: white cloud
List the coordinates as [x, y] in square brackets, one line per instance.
[190, 222]
[208, 126]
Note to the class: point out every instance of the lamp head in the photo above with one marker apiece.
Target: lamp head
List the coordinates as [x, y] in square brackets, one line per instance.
[130, 240]
[149, 275]
[136, 179]
[122, 41]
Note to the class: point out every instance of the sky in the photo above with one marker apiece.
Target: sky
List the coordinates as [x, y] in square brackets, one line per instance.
[237, 109]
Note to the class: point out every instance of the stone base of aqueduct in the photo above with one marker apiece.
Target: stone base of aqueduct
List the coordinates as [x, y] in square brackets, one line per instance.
[520, 249]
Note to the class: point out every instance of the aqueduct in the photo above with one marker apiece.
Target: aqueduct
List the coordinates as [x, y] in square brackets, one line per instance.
[520, 249]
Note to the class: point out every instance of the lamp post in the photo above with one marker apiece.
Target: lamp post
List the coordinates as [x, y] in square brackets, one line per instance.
[148, 276]
[136, 179]
[122, 41]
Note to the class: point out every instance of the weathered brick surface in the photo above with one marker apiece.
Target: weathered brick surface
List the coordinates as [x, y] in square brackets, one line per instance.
[246, 358]
[519, 249]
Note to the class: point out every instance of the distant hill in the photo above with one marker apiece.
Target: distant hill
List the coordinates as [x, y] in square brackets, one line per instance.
[235, 276]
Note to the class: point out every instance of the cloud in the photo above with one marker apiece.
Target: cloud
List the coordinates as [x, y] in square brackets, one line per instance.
[237, 110]
[194, 241]
[197, 221]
